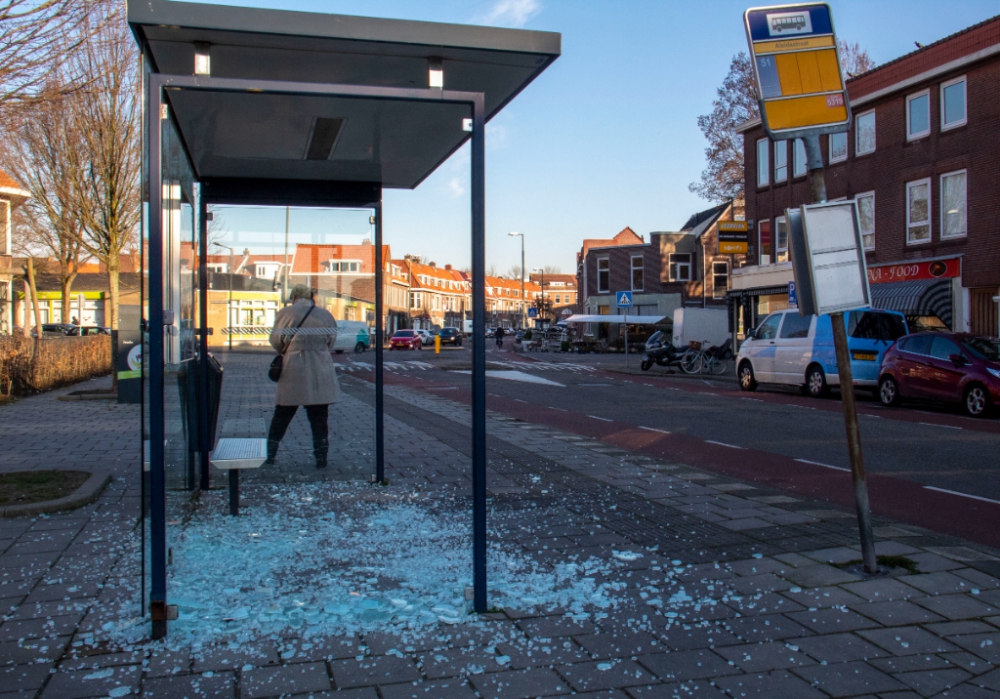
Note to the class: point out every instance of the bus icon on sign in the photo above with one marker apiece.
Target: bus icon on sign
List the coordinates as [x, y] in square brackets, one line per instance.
[785, 23]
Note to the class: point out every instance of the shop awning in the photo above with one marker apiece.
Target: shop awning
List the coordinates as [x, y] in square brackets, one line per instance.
[632, 320]
[921, 297]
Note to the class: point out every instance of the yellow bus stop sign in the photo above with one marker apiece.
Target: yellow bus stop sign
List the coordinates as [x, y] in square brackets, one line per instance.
[799, 82]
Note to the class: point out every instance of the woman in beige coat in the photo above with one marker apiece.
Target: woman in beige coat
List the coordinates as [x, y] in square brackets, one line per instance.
[307, 376]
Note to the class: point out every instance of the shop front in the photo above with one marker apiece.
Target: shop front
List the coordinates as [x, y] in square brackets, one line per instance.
[928, 292]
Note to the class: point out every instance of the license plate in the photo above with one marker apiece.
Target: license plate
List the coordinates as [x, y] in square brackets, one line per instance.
[865, 356]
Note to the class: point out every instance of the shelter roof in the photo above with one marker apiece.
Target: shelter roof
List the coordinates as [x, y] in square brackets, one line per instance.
[273, 136]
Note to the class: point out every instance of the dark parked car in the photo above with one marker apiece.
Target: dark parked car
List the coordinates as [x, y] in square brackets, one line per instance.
[946, 367]
[405, 339]
[54, 329]
[84, 330]
[451, 336]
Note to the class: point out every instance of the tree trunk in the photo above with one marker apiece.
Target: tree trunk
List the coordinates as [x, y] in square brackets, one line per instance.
[66, 282]
[114, 270]
[30, 275]
[26, 307]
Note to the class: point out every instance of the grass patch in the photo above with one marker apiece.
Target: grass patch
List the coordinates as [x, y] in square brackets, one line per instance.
[907, 564]
[28, 487]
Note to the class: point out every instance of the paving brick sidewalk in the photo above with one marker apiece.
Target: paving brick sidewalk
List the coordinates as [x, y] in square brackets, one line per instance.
[775, 611]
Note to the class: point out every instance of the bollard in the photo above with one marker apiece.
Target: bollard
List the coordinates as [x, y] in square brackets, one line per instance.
[437, 344]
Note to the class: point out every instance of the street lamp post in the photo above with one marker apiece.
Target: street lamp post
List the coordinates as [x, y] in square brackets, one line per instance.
[523, 311]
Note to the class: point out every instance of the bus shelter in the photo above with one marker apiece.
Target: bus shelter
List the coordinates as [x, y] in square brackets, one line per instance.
[288, 109]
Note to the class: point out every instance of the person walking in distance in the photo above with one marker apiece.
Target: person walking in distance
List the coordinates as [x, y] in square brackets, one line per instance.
[499, 336]
[306, 333]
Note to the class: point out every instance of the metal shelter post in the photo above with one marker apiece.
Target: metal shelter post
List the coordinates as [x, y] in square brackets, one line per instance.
[379, 330]
[157, 482]
[204, 431]
[479, 354]
[814, 161]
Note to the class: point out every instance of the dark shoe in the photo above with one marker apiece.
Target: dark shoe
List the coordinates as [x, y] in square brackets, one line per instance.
[272, 451]
[320, 450]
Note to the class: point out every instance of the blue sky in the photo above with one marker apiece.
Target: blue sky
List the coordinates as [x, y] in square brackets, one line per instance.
[607, 137]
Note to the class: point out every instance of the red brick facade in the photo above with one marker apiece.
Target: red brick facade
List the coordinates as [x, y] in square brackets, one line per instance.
[973, 147]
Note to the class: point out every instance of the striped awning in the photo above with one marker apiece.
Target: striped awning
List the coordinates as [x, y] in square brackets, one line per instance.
[921, 297]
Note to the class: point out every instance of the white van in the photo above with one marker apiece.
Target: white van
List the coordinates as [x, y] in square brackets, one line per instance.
[795, 350]
[351, 335]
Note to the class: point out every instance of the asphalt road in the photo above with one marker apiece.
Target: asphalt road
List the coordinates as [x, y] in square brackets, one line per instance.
[927, 464]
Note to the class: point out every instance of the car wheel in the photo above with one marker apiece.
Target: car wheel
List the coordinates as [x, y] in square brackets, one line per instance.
[816, 386]
[359, 348]
[747, 380]
[339, 351]
[977, 400]
[888, 391]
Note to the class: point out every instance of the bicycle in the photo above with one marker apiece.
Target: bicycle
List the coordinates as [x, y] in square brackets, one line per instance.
[704, 359]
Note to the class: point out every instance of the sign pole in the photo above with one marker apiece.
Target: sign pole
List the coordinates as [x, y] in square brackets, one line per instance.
[626, 339]
[814, 160]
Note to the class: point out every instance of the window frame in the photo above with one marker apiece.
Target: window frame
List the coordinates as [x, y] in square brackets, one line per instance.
[671, 262]
[930, 213]
[909, 101]
[829, 147]
[857, 197]
[633, 269]
[782, 148]
[965, 233]
[607, 270]
[857, 133]
[965, 101]
[716, 275]
[763, 164]
[778, 221]
[760, 241]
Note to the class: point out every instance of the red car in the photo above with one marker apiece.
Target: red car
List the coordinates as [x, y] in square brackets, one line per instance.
[405, 339]
[946, 367]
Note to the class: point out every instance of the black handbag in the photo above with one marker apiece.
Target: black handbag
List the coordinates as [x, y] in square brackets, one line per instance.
[274, 372]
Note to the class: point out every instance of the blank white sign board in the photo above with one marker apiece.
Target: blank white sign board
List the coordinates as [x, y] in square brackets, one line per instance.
[836, 257]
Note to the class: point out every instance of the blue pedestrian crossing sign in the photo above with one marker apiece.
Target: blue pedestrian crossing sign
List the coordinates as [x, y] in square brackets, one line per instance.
[532, 312]
[624, 299]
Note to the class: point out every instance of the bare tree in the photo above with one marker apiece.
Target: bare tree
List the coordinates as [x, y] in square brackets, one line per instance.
[552, 269]
[36, 37]
[106, 165]
[491, 270]
[735, 104]
[39, 151]
[514, 272]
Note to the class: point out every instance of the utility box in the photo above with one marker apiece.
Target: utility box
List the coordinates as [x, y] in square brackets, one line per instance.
[700, 325]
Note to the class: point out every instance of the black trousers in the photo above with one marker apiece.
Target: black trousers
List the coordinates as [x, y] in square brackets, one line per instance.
[318, 418]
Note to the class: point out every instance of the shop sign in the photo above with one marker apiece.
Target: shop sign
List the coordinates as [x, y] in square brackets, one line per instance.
[734, 237]
[909, 271]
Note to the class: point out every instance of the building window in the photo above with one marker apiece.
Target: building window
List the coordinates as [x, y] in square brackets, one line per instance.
[680, 267]
[720, 279]
[864, 133]
[838, 147]
[603, 275]
[866, 216]
[953, 103]
[953, 212]
[637, 273]
[781, 251]
[918, 115]
[780, 161]
[918, 212]
[764, 240]
[799, 158]
[763, 163]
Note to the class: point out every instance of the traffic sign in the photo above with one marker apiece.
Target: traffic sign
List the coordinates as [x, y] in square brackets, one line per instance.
[734, 237]
[793, 298]
[796, 62]
[533, 312]
[624, 299]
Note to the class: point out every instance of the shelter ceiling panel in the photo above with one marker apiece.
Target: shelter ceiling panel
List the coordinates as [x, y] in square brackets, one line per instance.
[395, 142]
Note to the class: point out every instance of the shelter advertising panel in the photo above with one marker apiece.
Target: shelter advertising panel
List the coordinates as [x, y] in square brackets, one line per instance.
[797, 66]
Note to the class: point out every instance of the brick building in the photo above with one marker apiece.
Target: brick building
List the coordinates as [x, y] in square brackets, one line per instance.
[921, 161]
[559, 291]
[672, 270]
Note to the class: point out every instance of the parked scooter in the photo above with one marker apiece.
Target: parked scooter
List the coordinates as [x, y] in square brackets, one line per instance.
[660, 350]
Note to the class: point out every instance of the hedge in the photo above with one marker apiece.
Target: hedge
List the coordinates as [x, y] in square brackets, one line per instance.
[30, 365]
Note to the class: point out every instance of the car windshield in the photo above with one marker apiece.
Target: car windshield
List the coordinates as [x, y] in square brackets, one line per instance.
[403, 333]
[871, 325]
[983, 347]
